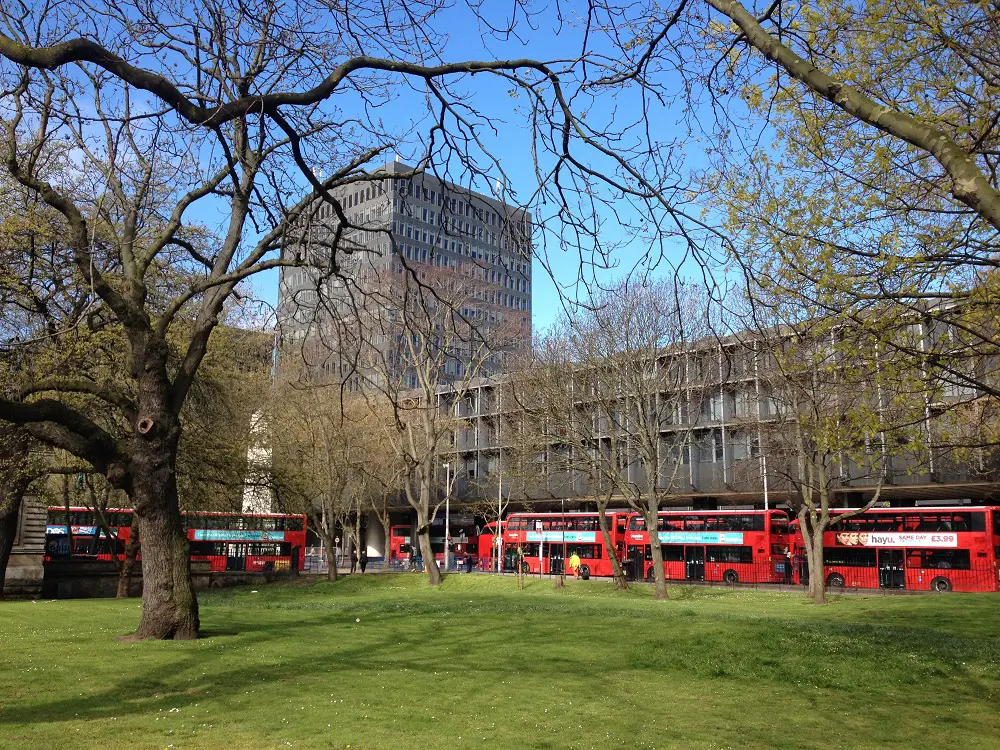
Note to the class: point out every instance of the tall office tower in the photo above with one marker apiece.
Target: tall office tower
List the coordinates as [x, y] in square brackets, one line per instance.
[415, 252]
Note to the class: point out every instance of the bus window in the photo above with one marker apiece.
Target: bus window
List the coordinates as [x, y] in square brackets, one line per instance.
[948, 559]
[730, 554]
[848, 557]
[673, 552]
[694, 523]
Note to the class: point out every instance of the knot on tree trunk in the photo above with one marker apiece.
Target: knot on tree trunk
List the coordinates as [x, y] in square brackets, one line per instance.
[144, 425]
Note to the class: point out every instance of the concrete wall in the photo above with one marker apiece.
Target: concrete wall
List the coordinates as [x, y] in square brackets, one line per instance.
[24, 570]
[374, 536]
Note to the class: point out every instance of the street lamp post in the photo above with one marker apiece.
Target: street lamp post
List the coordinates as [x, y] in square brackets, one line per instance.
[447, 513]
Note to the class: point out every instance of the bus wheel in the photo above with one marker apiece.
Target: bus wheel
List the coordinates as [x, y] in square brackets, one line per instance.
[730, 576]
[940, 584]
[835, 581]
[525, 568]
[585, 572]
[651, 575]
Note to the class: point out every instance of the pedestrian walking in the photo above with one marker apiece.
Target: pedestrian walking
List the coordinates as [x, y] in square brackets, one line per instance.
[354, 560]
[574, 564]
[468, 563]
[363, 560]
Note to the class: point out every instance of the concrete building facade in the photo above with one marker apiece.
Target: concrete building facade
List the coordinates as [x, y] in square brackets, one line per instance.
[407, 232]
[730, 453]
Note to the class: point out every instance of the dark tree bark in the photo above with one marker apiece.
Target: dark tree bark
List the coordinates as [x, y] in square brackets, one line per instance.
[651, 512]
[10, 509]
[14, 482]
[169, 605]
[434, 577]
[388, 538]
[616, 568]
[128, 563]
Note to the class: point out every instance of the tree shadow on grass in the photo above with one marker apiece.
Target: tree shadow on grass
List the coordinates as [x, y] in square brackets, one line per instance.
[272, 649]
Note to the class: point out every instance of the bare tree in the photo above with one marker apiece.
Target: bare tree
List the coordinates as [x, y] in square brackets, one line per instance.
[197, 108]
[619, 389]
[324, 450]
[417, 356]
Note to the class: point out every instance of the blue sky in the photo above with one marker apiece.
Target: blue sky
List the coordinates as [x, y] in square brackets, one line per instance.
[510, 144]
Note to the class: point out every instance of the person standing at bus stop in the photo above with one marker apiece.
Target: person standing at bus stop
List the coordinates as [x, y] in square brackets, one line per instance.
[574, 564]
[363, 560]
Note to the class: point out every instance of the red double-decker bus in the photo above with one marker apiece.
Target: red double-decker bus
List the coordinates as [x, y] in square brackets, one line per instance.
[227, 541]
[486, 546]
[401, 543]
[546, 540]
[404, 547]
[247, 541]
[936, 549]
[733, 546]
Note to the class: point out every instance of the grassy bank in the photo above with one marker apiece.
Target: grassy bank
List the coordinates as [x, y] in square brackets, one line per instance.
[384, 662]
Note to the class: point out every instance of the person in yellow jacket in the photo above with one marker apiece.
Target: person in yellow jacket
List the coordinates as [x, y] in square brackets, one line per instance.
[574, 564]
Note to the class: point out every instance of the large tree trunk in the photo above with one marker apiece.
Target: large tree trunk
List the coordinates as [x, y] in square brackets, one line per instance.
[10, 509]
[812, 529]
[128, 564]
[656, 548]
[817, 573]
[169, 605]
[817, 582]
[434, 577]
[14, 483]
[609, 547]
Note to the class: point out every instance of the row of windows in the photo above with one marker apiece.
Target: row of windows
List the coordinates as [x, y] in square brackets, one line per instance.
[251, 523]
[191, 520]
[950, 559]
[223, 549]
[569, 523]
[732, 554]
[747, 522]
[555, 550]
[457, 206]
[440, 223]
[916, 521]
[89, 518]
[57, 547]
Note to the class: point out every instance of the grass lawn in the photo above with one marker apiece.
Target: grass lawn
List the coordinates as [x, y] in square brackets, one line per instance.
[479, 663]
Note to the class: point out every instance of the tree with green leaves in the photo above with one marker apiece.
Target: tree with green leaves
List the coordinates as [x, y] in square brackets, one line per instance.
[837, 416]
